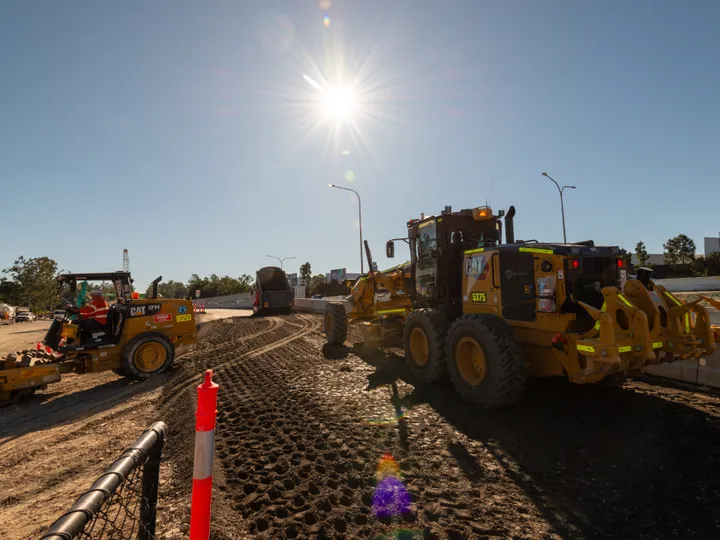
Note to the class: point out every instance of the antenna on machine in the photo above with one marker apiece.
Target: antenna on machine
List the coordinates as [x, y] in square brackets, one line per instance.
[126, 261]
[488, 201]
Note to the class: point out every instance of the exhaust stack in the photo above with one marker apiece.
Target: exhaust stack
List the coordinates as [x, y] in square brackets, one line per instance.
[510, 226]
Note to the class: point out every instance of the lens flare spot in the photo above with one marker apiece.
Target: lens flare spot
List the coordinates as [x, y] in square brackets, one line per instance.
[345, 152]
[326, 21]
[387, 466]
[391, 497]
[324, 4]
[349, 176]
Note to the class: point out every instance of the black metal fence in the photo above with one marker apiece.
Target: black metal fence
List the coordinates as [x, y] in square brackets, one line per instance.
[122, 502]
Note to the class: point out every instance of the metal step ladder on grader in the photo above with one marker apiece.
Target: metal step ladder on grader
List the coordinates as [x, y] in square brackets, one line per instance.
[489, 314]
[137, 341]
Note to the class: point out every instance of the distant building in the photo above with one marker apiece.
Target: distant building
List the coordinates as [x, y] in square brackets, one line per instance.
[348, 276]
[712, 245]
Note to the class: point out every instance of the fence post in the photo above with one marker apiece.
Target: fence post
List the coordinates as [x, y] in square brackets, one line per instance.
[150, 486]
[203, 464]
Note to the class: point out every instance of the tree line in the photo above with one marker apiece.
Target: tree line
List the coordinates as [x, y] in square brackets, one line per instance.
[209, 286]
[31, 283]
[681, 250]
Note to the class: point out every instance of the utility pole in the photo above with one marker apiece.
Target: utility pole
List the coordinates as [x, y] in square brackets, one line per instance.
[359, 220]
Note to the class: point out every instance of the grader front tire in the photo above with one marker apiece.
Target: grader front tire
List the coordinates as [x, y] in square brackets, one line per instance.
[424, 341]
[336, 326]
[485, 361]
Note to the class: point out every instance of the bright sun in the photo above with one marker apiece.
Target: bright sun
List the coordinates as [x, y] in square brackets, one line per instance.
[338, 103]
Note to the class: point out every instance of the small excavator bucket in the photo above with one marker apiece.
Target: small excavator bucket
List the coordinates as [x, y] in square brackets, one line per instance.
[642, 325]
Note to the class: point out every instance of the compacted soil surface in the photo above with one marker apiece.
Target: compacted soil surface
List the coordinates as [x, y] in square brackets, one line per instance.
[330, 442]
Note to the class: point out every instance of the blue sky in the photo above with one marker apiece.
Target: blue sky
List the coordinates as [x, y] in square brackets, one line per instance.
[185, 132]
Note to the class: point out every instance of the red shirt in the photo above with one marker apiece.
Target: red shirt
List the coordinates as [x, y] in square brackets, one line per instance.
[96, 311]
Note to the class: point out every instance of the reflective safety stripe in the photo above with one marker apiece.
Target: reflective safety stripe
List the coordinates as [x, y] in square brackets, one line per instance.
[471, 251]
[597, 323]
[384, 311]
[537, 250]
[626, 348]
[204, 449]
[657, 344]
[625, 300]
[687, 315]
[586, 348]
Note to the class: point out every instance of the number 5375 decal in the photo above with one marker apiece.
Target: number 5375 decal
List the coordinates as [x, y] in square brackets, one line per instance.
[480, 297]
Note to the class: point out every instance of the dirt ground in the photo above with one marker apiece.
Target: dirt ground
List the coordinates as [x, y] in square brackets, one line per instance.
[309, 436]
[53, 446]
[24, 335]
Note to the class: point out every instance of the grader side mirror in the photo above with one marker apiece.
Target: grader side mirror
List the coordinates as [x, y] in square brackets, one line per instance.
[390, 249]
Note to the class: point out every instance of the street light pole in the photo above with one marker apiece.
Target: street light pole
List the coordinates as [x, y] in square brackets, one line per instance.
[281, 260]
[562, 205]
[362, 267]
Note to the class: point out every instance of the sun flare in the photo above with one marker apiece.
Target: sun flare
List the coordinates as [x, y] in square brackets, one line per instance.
[338, 104]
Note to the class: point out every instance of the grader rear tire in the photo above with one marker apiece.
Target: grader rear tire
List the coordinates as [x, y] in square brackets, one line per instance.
[424, 341]
[485, 361]
[336, 325]
[146, 355]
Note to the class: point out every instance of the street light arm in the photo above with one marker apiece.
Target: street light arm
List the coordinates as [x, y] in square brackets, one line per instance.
[346, 189]
[546, 175]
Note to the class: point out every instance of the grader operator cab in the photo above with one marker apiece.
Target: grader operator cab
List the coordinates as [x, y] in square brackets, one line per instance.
[491, 313]
[137, 340]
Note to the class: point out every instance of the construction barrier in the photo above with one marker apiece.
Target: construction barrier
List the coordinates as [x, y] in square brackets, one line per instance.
[205, 419]
[316, 306]
[121, 503]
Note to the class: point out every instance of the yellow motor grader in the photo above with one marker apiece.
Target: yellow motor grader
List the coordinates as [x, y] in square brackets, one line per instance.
[137, 341]
[491, 313]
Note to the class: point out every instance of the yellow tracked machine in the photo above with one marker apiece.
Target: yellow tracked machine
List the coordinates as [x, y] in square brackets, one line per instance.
[490, 313]
[138, 340]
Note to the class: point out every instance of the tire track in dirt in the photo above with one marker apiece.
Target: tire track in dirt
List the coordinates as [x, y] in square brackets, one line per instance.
[295, 465]
[299, 461]
[182, 384]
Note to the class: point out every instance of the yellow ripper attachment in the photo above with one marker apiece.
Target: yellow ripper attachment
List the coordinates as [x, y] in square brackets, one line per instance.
[634, 326]
[713, 303]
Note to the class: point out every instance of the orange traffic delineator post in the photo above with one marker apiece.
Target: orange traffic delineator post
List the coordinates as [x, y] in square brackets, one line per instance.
[205, 419]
